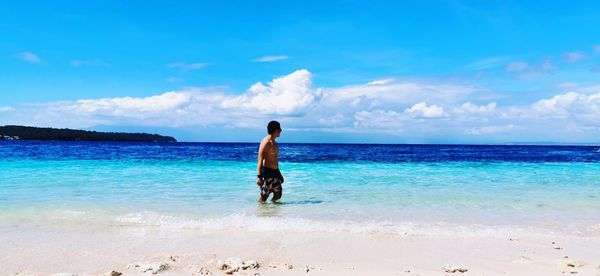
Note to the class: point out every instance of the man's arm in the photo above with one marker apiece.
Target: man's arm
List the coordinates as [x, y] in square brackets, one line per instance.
[261, 151]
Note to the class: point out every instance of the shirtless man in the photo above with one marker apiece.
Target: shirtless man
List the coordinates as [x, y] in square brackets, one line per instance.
[269, 177]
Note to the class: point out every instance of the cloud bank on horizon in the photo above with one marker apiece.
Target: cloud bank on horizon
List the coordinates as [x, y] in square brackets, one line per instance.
[387, 106]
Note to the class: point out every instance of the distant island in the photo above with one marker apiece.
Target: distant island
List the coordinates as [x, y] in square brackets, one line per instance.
[11, 132]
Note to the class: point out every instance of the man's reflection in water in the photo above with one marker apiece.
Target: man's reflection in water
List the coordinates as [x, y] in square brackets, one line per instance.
[268, 210]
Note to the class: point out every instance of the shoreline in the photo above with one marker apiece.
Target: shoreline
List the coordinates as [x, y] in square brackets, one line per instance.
[267, 221]
[95, 251]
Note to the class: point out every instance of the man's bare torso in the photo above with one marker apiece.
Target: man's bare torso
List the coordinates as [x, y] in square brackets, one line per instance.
[271, 158]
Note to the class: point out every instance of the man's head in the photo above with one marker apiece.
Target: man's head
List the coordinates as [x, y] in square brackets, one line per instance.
[274, 128]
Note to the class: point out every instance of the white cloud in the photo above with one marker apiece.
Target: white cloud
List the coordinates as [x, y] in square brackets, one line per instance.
[574, 57]
[558, 105]
[270, 58]
[174, 79]
[394, 94]
[473, 108]
[381, 81]
[378, 119]
[516, 67]
[291, 94]
[568, 85]
[184, 67]
[570, 105]
[469, 113]
[291, 98]
[87, 62]
[176, 108]
[133, 106]
[524, 70]
[489, 129]
[425, 107]
[336, 119]
[30, 57]
[423, 110]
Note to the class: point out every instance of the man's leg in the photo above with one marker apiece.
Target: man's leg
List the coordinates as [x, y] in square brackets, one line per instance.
[277, 191]
[263, 198]
[276, 196]
[265, 190]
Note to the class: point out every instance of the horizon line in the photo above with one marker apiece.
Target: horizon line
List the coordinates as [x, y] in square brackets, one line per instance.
[591, 144]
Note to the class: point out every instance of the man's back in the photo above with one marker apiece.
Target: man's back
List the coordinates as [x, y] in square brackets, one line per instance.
[271, 153]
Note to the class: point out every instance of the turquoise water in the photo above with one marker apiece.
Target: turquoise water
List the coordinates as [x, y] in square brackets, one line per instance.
[362, 196]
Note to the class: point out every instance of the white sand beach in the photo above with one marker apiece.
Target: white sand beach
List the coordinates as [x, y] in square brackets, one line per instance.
[137, 251]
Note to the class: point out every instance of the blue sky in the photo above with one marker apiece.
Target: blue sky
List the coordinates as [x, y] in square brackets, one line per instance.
[330, 71]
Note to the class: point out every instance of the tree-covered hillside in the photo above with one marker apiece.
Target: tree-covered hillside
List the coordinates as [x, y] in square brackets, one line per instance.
[39, 133]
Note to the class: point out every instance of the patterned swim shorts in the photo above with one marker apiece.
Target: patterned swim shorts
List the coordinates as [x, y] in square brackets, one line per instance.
[272, 180]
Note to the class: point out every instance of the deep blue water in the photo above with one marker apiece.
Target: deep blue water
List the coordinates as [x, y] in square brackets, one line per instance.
[301, 153]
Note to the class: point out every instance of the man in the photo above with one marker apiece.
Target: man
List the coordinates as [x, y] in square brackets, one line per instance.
[269, 177]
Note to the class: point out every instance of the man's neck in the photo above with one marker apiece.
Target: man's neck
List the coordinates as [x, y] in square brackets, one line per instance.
[271, 137]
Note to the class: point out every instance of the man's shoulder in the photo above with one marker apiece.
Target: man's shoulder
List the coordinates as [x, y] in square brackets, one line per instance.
[266, 140]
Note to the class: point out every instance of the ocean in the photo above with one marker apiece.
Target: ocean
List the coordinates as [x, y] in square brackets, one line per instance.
[359, 188]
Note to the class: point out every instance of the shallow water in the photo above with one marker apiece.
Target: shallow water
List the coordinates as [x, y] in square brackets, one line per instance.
[359, 188]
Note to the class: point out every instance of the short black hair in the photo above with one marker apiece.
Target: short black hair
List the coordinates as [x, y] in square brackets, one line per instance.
[273, 126]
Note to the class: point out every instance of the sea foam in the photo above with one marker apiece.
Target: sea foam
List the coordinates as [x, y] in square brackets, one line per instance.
[246, 222]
